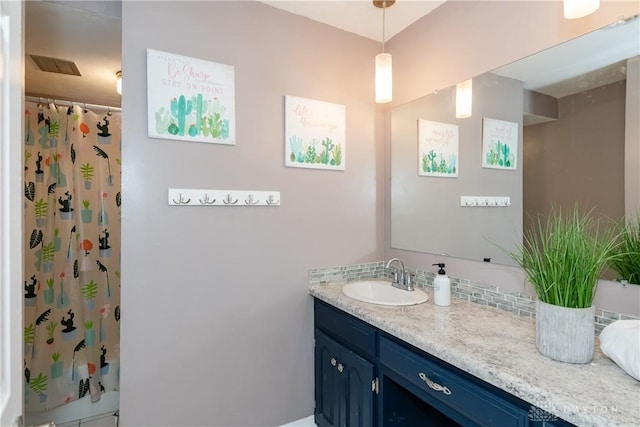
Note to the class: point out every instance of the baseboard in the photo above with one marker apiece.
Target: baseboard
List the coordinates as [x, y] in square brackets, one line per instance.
[304, 422]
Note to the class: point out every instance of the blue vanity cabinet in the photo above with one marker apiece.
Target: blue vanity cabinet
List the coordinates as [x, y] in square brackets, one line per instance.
[369, 378]
[344, 379]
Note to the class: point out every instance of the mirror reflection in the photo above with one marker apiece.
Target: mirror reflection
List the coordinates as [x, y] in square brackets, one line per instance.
[577, 116]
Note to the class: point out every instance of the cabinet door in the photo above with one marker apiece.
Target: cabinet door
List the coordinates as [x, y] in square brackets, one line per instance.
[343, 385]
[358, 375]
[328, 391]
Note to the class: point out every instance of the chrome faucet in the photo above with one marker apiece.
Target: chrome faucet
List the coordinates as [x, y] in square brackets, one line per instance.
[401, 279]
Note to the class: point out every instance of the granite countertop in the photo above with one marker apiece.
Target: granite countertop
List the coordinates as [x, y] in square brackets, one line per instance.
[500, 348]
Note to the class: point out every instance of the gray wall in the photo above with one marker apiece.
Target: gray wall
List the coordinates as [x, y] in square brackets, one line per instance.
[217, 321]
[579, 156]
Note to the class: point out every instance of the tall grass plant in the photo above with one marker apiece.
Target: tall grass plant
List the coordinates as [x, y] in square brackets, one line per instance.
[626, 261]
[563, 256]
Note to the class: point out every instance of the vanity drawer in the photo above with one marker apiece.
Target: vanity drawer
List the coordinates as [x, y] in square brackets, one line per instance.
[353, 332]
[440, 385]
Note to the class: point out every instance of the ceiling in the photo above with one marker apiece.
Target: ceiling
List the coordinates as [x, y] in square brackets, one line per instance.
[89, 34]
[360, 16]
[586, 62]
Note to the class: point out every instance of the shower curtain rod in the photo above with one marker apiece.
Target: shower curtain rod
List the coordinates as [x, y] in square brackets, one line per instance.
[42, 100]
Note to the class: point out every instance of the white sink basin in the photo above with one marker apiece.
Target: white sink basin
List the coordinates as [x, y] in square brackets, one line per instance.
[381, 292]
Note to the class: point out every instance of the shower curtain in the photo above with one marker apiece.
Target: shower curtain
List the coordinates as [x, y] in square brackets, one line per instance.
[72, 254]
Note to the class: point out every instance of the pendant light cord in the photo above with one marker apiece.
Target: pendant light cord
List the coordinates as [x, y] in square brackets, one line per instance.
[384, 10]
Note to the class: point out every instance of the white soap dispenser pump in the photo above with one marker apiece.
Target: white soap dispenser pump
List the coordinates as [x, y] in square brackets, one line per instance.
[441, 287]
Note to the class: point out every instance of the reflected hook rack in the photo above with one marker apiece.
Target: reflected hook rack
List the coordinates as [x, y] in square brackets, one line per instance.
[485, 201]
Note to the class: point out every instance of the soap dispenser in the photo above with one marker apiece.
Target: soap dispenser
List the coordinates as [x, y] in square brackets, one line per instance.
[441, 287]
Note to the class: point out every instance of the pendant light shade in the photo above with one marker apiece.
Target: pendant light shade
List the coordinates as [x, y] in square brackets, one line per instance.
[464, 99]
[384, 78]
[384, 74]
[574, 9]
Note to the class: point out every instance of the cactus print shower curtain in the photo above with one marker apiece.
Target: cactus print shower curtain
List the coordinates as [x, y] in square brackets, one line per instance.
[72, 254]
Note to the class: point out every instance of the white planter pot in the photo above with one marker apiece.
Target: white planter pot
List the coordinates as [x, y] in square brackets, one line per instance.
[565, 334]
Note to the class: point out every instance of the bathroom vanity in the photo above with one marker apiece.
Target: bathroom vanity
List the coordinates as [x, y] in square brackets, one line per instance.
[465, 364]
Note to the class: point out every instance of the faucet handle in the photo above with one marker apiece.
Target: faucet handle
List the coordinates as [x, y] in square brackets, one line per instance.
[408, 281]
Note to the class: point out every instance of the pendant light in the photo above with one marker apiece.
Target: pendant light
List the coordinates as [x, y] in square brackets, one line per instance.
[464, 99]
[384, 77]
[119, 82]
[574, 9]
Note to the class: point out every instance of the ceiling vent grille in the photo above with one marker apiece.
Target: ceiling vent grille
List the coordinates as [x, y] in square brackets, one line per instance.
[55, 65]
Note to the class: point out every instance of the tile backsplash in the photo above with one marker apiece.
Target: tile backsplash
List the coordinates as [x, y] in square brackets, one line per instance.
[348, 273]
[491, 296]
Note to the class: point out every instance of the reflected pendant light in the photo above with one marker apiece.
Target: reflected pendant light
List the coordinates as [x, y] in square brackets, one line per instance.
[464, 99]
[119, 82]
[384, 77]
[574, 9]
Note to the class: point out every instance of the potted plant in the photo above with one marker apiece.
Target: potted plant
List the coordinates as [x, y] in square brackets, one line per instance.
[89, 332]
[86, 213]
[104, 136]
[48, 255]
[627, 260]
[89, 292]
[563, 257]
[40, 207]
[87, 172]
[66, 211]
[51, 328]
[57, 367]
[57, 240]
[48, 293]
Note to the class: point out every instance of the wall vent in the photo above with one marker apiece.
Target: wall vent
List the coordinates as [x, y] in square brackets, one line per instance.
[55, 65]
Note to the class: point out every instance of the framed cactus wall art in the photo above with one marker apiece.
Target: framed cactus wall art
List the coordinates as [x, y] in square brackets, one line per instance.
[499, 144]
[437, 149]
[190, 99]
[315, 134]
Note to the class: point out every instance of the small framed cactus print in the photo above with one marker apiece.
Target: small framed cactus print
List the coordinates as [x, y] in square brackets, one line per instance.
[314, 134]
[499, 144]
[437, 149]
[190, 99]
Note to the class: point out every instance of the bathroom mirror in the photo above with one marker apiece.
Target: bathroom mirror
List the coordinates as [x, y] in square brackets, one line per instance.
[549, 96]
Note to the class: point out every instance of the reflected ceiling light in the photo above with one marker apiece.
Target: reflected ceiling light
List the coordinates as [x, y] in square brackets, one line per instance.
[384, 77]
[574, 9]
[119, 82]
[464, 99]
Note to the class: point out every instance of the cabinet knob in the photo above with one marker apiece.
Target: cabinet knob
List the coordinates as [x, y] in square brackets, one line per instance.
[433, 385]
[340, 367]
[333, 361]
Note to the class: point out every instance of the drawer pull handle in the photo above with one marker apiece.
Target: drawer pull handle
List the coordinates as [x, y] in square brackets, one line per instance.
[333, 361]
[340, 367]
[434, 386]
